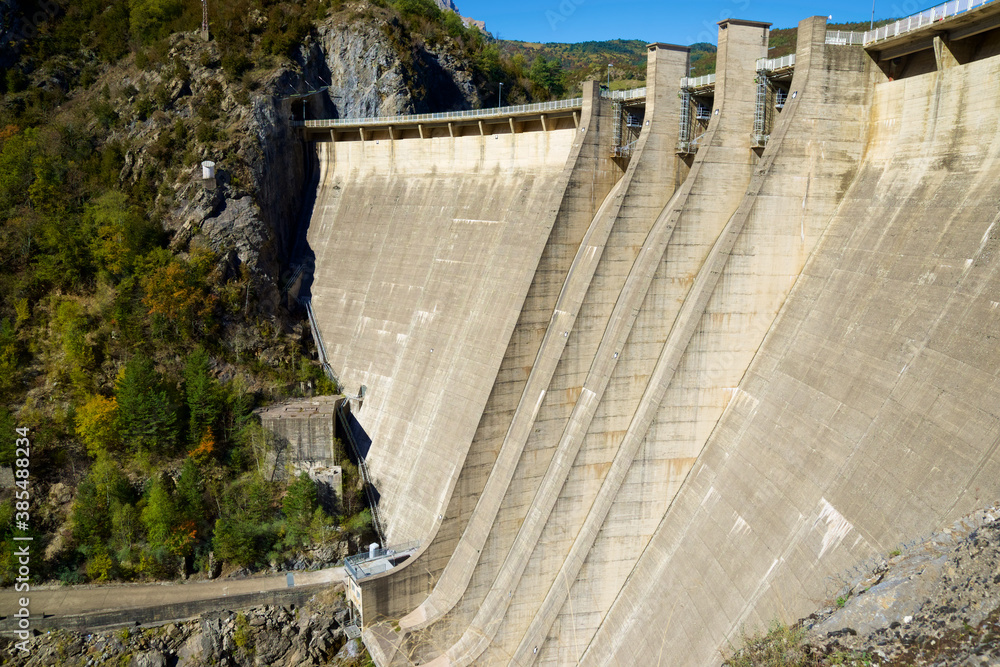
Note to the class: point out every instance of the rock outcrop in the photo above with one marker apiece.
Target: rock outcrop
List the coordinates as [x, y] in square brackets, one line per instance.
[251, 213]
[934, 603]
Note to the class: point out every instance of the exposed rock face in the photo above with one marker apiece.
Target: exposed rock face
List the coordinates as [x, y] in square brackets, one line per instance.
[933, 603]
[372, 74]
[251, 215]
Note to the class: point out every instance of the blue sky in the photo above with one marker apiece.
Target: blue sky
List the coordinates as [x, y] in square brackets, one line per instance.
[657, 21]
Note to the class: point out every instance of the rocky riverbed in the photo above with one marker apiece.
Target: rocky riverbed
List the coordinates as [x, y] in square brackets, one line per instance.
[315, 634]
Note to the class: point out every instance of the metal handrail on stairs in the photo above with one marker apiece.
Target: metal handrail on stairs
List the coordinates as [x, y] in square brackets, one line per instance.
[362, 465]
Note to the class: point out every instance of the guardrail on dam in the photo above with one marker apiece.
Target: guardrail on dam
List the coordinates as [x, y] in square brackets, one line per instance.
[629, 403]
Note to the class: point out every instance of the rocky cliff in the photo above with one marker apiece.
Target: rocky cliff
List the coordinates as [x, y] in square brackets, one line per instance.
[349, 67]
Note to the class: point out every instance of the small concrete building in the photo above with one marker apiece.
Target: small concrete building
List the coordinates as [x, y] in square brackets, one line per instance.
[305, 440]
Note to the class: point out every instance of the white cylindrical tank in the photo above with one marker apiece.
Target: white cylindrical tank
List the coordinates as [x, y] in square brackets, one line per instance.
[207, 169]
[371, 549]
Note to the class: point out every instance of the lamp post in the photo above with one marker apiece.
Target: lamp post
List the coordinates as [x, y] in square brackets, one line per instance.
[500, 98]
[871, 26]
[609, 77]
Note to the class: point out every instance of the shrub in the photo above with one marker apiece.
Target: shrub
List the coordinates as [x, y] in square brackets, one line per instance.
[143, 108]
[148, 19]
[418, 9]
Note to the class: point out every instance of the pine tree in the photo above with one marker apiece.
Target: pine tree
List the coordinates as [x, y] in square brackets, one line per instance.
[145, 416]
[299, 504]
[202, 393]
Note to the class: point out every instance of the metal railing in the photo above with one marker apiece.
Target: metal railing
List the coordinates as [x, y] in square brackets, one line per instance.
[690, 147]
[365, 475]
[624, 95]
[844, 37]
[318, 340]
[626, 150]
[684, 134]
[760, 115]
[687, 83]
[498, 112]
[774, 64]
[616, 123]
[355, 565]
[926, 17]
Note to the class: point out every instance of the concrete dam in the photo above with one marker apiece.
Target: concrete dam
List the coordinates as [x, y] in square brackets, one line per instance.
[648, 368]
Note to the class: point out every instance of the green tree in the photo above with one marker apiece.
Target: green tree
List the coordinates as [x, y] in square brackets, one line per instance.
[547, 74]
[145, 416]
[104, 487]
[10, 358]
[126, 527]
[243, 533]
[17, 156]
[159, 514]
[120, 233]
[72, 326]
[453, 24]
[419, 9]
[202, 393]
[190, 493]
[148, 19]
[234, 541]
[299, 504]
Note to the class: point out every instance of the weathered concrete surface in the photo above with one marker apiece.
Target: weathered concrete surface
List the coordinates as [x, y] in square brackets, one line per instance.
[866, 416]
[663, 458]
[304, 440]
[577, 498]
[425, 250]
[591, 174]
[631, 196]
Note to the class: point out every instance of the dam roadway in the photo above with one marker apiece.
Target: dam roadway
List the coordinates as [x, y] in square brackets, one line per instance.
[671, 358]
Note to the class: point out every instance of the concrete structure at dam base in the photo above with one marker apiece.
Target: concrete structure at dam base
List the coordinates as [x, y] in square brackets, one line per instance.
[649, 368]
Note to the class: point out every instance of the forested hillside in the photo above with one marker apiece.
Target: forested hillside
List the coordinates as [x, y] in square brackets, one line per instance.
[141, 312]
[561, 68]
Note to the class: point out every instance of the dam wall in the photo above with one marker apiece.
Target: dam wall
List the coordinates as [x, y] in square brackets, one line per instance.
[730, 304]
[714, 264]
[424, 252]
[866, 417]
[711, 381]
[584, 182]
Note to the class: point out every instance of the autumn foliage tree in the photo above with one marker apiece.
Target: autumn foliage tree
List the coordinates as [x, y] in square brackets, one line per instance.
[177, 295]
[96, 424]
